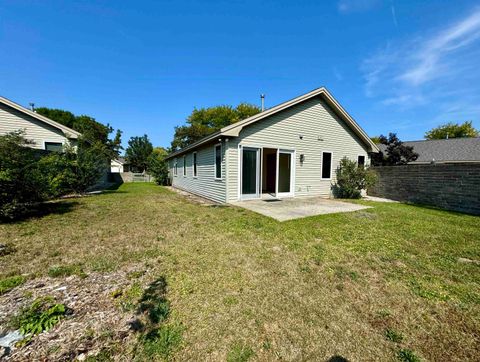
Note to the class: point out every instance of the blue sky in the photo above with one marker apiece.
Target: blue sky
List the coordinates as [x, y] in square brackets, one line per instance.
[142, 66]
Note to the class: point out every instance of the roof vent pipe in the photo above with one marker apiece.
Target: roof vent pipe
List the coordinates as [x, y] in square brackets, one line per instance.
[32, 106]
[262, 97]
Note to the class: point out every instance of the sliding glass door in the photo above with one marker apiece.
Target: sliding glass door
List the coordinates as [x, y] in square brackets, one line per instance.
[285, 173]
[250, 169]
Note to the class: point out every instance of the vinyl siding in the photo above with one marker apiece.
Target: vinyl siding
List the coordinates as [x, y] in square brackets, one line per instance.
[204, 184]
[313, 119]
[35, 130]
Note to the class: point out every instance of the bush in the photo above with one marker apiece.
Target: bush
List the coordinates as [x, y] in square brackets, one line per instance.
[351, 179]
[21, 181]
[29, 176]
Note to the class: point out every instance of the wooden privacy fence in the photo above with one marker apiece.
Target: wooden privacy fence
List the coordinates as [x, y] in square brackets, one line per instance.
[451, 186]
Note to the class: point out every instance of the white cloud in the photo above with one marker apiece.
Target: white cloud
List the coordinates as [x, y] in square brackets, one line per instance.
[350, 6]
[418, 70]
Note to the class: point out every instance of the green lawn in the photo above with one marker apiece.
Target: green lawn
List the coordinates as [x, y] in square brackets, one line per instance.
[377, 284]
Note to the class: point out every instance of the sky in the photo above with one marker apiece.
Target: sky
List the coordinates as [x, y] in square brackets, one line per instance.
[142, 66]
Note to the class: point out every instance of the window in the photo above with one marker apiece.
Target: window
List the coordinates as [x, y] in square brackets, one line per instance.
[361, 161]
[194, 156]
[218, 161]
[326, 165]
[184, 165]
[54, 146]
[175, 167]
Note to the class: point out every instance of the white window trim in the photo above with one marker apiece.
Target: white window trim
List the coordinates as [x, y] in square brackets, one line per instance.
[331, 166]
[215, 162]
[195, 164]
[184, 166]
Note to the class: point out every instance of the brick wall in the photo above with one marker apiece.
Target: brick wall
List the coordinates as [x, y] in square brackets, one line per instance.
[454, 186]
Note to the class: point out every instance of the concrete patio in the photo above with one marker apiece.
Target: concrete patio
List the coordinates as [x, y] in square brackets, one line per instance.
[296, 208]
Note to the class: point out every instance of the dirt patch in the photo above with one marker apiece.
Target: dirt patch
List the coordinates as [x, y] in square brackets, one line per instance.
[97, 320]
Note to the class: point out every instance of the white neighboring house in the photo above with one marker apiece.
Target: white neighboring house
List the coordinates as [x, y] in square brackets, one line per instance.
[119, 165]
[44, 132]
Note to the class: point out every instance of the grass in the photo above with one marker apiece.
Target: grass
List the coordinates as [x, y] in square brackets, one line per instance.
[307, 289]
[8, 283]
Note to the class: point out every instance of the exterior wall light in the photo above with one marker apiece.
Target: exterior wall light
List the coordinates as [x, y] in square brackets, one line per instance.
[302, 158]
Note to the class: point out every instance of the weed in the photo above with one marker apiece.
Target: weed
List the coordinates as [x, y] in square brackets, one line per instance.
[6, 249]
[57, 271]
[393, 336]
[40, 316]
[9, 283]
[105, 355]
[230, 300]
[318, 253]
[163, 341]
[407, 355]
[129, 298]
[240, 353]
[135, 274]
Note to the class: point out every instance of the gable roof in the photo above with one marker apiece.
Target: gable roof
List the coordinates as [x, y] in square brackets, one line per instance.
[445, 150]
[233, 130]
[69, 133]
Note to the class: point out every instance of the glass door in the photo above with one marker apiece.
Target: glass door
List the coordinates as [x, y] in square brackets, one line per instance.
[285, 173]
[250, 169]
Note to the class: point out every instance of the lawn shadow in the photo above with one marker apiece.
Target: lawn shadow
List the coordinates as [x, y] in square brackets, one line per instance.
[153, 306]
[43, 209]
[337, 358]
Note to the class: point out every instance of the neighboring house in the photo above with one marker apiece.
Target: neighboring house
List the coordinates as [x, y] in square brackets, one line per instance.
[291, 150]
[45, 133]
[452, 150]
[119, 165]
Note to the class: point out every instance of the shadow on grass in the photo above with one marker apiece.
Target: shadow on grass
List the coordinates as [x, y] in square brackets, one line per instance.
[41, 210]
[337, 359]
[153, 305]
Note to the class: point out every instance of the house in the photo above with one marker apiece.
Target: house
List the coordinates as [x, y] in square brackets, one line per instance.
[119, 165]
[45, 133]
[452, 150]
[290, 150]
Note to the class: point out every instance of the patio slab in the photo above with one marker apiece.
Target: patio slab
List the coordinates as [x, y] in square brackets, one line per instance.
[296, 208]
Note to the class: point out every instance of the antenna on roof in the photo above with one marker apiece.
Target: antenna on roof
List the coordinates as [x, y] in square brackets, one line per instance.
[32, 106]
[262, 97]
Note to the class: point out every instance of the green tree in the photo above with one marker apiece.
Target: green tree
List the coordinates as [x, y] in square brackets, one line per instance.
[452, 130]
[205, 121]
[91, 130]
[375, 139]
[157, 166]
[138, 152]
[396, 153]
[352, 179]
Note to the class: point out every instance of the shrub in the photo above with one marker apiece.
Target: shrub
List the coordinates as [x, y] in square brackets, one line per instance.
[157, 166]
[351, 179]
[21, 181]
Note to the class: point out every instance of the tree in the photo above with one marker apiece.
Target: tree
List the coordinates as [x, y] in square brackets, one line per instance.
[157, 165]
[352, 179]
[375, 139]
[138, 151]
[90, 129]
[205, 121]
[396, 153]
[452, 130]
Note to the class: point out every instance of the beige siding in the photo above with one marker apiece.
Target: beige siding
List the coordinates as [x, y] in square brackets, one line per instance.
[37, 131]
[321, 129]
[205, 183]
